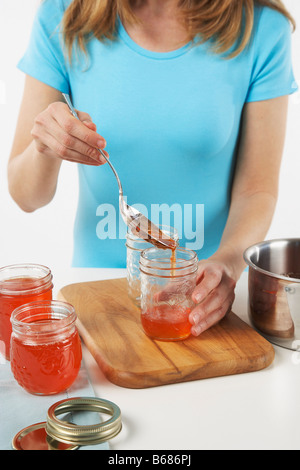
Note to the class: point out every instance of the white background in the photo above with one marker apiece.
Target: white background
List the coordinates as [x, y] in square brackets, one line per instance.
[46, 236]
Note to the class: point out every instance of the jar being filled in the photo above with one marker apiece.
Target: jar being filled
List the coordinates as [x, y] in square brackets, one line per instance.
[20, 284]
[135, 246]
[168, 279]
[45, 347]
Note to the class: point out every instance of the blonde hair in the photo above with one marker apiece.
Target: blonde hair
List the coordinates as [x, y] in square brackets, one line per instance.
[229, 23]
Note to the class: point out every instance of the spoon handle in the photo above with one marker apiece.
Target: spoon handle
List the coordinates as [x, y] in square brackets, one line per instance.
[73, 111]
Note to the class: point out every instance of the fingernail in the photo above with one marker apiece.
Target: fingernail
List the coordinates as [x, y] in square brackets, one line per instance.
[101, 143]
[95, 154]
[196, 330]
[196, 318]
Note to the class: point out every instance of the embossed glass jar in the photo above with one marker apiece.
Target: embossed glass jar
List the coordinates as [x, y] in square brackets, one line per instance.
[20, 284]
[168, 280]
[45, 347]
[135, 246]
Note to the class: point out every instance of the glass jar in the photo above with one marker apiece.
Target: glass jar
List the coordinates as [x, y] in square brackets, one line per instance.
[168, 280]
[20, 284]
[45, 347]
[135, 246]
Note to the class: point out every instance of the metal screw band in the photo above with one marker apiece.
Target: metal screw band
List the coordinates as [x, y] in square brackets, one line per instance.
[70, 433]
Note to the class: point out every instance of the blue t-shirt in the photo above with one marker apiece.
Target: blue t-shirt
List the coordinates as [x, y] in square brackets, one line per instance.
[171, 122]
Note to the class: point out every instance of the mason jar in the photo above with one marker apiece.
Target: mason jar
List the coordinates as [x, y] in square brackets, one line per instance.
[135, 246]
[45, 347]
[20, 284]
[168, 280]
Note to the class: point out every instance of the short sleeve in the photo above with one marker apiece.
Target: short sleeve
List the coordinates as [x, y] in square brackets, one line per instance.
[44, 58]
[272, 72]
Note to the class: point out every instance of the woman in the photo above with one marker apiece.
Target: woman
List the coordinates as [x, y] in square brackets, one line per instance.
[191, 97]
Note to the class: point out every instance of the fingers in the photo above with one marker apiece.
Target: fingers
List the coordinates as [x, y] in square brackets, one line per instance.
[204, 318]
[67, 137]
[215, 291]
[214, 296]
[84, 117]
[212, 302]
[210, 278]
[67, 147]
[51, 145]
[75, 127]
[90, 125]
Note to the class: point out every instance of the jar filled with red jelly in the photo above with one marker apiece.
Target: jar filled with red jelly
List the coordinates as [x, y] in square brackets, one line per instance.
[168, 279]
[20, 284]
[45, 347]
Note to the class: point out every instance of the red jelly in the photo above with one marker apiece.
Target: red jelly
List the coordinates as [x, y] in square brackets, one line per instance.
[165, 322]
[20, 284]
[45, 347]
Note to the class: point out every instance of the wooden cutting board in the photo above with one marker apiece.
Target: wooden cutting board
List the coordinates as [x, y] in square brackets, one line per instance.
[109, 324]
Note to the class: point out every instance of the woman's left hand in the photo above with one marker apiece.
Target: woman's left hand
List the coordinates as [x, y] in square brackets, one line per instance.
[214, 295]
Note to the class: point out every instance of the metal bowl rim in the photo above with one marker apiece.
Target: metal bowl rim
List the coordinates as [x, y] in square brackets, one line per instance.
[250, 249]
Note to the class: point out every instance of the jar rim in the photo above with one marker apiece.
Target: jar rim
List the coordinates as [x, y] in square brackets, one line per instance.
[10, 284]
[162, 266]
[62, 313]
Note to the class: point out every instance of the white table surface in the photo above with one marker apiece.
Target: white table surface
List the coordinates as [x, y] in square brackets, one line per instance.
[258, 410]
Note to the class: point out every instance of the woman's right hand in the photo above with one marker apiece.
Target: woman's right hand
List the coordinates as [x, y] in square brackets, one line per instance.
[58, 134]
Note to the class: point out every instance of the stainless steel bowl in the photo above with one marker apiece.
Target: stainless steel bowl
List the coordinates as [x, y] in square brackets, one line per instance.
[274, 290]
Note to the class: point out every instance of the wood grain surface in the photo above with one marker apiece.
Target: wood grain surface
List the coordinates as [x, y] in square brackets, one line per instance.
[109, 324]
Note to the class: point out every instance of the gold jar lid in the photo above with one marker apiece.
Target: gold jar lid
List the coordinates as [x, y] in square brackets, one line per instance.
[34, 437]
[82, 435]
[56, 434]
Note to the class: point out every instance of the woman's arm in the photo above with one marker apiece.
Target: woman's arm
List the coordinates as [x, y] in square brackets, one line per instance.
[254, 196]
[46, 134]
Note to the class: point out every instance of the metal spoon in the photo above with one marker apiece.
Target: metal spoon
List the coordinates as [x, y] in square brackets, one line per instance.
[138, 224]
